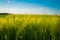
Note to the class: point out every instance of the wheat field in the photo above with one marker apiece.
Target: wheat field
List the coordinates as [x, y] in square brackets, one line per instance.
[29, 27]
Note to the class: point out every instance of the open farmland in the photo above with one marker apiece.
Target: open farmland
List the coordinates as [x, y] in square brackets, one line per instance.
[29, 27]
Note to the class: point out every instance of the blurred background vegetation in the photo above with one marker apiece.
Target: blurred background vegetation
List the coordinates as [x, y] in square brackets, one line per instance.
[29, 27]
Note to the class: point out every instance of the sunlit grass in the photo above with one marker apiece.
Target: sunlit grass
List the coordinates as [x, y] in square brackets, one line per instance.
[29, 27]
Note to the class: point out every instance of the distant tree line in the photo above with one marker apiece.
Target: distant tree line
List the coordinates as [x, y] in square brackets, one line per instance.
[4, 13]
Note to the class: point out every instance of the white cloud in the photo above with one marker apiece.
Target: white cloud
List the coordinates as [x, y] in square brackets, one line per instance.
[3, 10]
[39, 10]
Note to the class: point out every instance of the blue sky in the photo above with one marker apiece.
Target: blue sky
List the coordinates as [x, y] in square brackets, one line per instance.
[30, 6]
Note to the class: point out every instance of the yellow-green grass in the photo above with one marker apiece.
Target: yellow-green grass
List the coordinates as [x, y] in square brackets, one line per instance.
[29, 27]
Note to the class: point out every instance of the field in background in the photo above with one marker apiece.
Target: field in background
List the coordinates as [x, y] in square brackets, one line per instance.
[29, 27]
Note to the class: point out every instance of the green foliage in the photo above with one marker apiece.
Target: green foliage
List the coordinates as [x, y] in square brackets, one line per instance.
[25, 28]
[3, 14]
